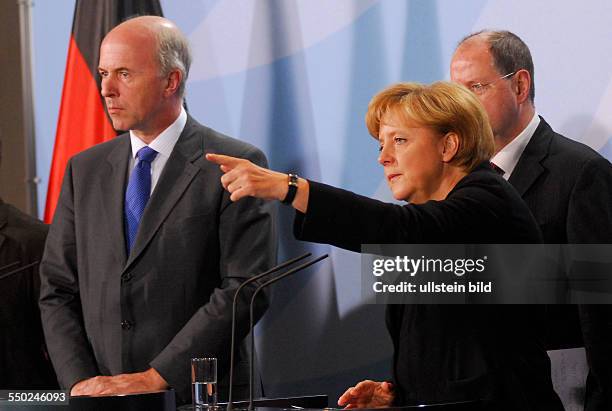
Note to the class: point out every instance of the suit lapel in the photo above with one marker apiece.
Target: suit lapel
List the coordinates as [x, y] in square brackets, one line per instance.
[178, 173]
[529, 167]
[113, 192]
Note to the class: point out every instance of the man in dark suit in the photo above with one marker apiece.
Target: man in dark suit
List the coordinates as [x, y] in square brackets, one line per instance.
[146, 250]
[23, 359]
[567, 185]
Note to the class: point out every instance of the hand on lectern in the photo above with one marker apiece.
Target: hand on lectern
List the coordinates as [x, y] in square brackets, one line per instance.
[139, 382]
[368, 394]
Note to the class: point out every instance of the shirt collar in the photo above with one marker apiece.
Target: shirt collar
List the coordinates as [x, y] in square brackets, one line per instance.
[508, 157]
[165, 141]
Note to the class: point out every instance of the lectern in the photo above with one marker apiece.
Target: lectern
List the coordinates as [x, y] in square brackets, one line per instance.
[165, 401]
[152, 401]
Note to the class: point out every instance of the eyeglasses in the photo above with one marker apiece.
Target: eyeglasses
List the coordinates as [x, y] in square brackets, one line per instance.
[479, 88]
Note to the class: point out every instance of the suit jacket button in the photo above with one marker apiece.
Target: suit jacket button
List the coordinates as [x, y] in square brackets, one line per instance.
[126, 277]
[126, 325]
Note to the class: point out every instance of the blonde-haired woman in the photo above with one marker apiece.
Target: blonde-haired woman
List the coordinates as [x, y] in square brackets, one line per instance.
[435, 144]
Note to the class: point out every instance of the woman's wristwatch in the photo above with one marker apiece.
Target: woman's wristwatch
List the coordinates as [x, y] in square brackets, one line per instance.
[292, 189]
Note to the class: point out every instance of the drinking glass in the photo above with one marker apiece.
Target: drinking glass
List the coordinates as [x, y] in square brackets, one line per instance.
[204, 383]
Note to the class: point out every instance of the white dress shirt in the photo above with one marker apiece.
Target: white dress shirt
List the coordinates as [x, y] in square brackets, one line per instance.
[508, 157]
[164, 144]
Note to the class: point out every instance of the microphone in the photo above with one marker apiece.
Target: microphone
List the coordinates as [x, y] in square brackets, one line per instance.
[18, 270]
[251, 325]
[6, 267]
[235, 303]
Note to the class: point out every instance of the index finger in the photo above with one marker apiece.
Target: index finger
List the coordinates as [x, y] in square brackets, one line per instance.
[223, 160]
[345, 397]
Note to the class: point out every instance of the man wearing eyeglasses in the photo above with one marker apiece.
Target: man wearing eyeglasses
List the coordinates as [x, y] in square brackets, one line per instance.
[567, 186]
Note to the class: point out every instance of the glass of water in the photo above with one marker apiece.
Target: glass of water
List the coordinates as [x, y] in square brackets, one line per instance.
[204, 383]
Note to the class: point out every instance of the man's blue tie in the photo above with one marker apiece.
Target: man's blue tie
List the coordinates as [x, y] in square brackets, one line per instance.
[137, 193]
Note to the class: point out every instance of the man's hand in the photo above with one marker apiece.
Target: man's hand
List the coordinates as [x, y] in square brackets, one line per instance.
[146, 381]
[368, 394]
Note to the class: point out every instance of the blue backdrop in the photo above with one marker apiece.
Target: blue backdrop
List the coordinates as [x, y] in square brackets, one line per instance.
[294, 77]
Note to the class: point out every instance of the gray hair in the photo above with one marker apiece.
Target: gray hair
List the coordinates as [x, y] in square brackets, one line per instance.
[509, 53]
[174, 54]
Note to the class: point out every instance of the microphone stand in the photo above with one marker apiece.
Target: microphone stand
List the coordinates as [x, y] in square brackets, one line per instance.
[234, 304]
[257, 290]
[6, 267]
[18, 270]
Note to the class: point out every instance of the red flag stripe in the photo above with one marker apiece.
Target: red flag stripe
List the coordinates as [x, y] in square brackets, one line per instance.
[82, 122]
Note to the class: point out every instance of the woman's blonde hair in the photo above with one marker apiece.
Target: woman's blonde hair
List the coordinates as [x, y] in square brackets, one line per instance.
[443, 106]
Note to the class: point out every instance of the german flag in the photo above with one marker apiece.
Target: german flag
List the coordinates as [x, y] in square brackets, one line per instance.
[83, 121]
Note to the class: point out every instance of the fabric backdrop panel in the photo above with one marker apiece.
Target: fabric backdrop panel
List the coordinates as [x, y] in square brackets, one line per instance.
[294, 77]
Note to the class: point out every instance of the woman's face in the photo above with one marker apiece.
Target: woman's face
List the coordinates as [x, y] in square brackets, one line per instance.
[412, 157]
